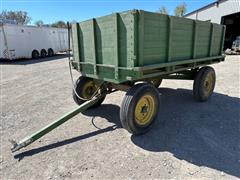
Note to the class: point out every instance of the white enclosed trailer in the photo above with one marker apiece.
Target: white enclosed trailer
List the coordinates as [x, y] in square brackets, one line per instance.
[18, 41]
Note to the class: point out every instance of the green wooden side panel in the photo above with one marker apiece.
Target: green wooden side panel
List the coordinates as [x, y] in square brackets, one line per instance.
[129, 45]
[106, 40]
[155, 37]
[86, 41]
[75, 45]
[182, 39]
[217, 38]
[126, 39]
[163, 34]
[111, 31]
[203, 39]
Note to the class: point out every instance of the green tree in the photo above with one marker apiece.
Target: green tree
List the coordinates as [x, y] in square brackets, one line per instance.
[59, 24]
[20, 17]
[180, 10]
[39, 23]
[162, 10]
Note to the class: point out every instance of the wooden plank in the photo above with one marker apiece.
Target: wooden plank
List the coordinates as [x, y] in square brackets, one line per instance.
[107, 66]
[195, 33]
[141, 38]
[174, 63]
[170, 26]
[171, 69]
[134, 39]
[148, 51]
[76, 46]
[94, 46]
[211, 40]
[116, 46]
[79, 45]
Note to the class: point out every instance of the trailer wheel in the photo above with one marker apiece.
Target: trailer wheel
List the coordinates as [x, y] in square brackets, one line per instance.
[139, 108]
[50, 52]
[35, 54]
[156, 82]
[204, 83]
[85, 88]
[43, 53]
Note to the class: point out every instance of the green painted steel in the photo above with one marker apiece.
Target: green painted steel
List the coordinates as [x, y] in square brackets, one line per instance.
[136, 44]
[38, 134]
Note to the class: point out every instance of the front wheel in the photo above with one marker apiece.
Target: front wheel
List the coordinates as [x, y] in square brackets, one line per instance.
[50, 52]
[139, 108]
[204, 83]
[86, 89]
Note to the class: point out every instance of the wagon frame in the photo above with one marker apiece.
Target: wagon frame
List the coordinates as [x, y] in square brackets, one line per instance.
[124, 65]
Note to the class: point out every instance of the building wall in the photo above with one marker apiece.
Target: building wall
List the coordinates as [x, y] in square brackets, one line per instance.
[215, 12]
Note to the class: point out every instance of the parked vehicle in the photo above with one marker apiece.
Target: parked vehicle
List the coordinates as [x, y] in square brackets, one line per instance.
[18, 41]
[133, 51]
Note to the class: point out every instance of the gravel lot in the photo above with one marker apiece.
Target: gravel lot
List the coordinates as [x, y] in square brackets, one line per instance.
[191, 140]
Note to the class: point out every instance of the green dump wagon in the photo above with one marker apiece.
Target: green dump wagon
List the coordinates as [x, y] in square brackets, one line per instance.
[133, 51]
[117, 51]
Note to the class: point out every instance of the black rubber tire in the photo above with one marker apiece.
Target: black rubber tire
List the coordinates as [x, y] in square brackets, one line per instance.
[35, 54]
[43, 53]
[129, 104]
[199, 91]
[79, 85]
[50, 52]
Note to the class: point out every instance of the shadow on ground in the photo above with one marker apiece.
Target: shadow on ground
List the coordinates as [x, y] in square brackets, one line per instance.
[111, 116]
[204, 134]
[32, 61]
[106, 111]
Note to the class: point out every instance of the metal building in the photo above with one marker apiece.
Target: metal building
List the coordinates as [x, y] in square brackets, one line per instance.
[225, 12]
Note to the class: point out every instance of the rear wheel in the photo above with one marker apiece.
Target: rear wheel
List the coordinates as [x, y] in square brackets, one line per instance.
[85, 89]
[50, 52]
[139, 108]
[204, 83]
[35, 54]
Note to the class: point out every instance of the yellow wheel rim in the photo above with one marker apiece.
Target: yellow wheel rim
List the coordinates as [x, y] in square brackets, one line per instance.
[208, 83]
[144, 110]
[88, 89]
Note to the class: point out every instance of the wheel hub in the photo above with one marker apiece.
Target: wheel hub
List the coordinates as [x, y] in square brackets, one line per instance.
[88, 90]
[144, 110]
[208, 83]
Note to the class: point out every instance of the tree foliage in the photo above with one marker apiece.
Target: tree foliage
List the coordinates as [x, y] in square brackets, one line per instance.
[162, 10]
[39, 23]
[20, 17]
[59, 24]
[180, 10]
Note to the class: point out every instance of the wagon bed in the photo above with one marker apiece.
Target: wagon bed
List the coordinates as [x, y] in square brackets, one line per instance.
[136, 45]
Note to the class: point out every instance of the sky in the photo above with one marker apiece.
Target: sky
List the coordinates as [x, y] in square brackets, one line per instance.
[50, 11]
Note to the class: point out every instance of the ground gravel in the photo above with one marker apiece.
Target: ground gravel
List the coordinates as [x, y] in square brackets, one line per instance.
[190, 140]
